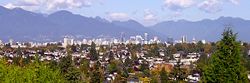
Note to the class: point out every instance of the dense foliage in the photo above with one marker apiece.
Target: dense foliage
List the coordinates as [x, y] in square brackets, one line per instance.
[225, 64]
[36, 72]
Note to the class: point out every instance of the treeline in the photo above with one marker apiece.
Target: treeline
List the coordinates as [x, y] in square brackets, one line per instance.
[36, 72]
[30, 69]
[64, 71]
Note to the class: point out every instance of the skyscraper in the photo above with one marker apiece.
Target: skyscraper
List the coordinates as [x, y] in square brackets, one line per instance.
[145, 38]
[184, 39]
[1, 42]
[194, 40]
[122, 39]
[11, 41]
[170, 40]
[67, 41]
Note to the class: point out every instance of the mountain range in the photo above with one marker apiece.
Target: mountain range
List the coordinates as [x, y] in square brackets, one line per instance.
[207, 29]
[22, 25]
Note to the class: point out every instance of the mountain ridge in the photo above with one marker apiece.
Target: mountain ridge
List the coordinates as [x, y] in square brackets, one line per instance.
[205, 29]
[24, 25]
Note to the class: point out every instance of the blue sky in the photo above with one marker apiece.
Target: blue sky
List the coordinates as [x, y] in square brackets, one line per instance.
[147, 12]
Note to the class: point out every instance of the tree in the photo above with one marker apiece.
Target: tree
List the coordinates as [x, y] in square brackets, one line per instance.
[154, 79]
[179, 73]
[93, 53]
[85, 66]
[200, 46]
[170, 50]
[225, 64]
[154, 50]
[128, 62]
[246, 59]
[68, 69]
[145, 68]
[96, 74]
[39, 72]
[36, 72]
[144, 79]
[201, 63]
[163, 76]
[73, 48]
[112, 67]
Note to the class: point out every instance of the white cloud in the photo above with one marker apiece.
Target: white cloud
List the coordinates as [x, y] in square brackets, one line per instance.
[149, 16]
[213, 6]
[210, 6]
[9, 5]
[49, 5]
[65, 4]
[117, 16]
[28, 2]
[30, 7]
[236, 2]
[177, 5]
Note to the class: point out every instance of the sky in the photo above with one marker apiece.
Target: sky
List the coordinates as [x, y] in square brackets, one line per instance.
[147, 12]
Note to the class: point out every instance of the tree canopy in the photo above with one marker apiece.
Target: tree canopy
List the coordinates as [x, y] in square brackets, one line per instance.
[225, 64]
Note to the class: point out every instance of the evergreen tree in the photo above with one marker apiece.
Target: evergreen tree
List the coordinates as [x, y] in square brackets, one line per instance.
[225, 64]
[112, 67]
[201, 63]
[179, 73]
[128, 62]
[163, 76]
[145, 69]
[153, 51]
[93, 53]
[68, 69]
[96, 76]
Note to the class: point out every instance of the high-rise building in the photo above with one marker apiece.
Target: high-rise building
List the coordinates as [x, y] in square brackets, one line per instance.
[132, 39]
[11, 41]
[145, 38]
[67, 41]
[203, 41]
[184, 39]
[84, 41]
[170, 40]
[138, 39]
[194, 41]
[1, 42]
[122, 39]
[155, 38]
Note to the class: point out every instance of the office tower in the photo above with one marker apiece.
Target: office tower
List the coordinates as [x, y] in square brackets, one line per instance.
[194, 40]
[1, 42]
[67, 41]
[138, 39]
[11, 41]
[122, 39]
[184, 39]
[170, 40]
[145, 38]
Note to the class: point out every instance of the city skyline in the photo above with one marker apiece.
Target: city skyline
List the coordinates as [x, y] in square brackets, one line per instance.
[147, 13]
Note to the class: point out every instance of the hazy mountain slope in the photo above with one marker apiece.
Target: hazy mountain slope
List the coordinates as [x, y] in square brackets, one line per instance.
[21, 25]
[24, 25]
[204, 29]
